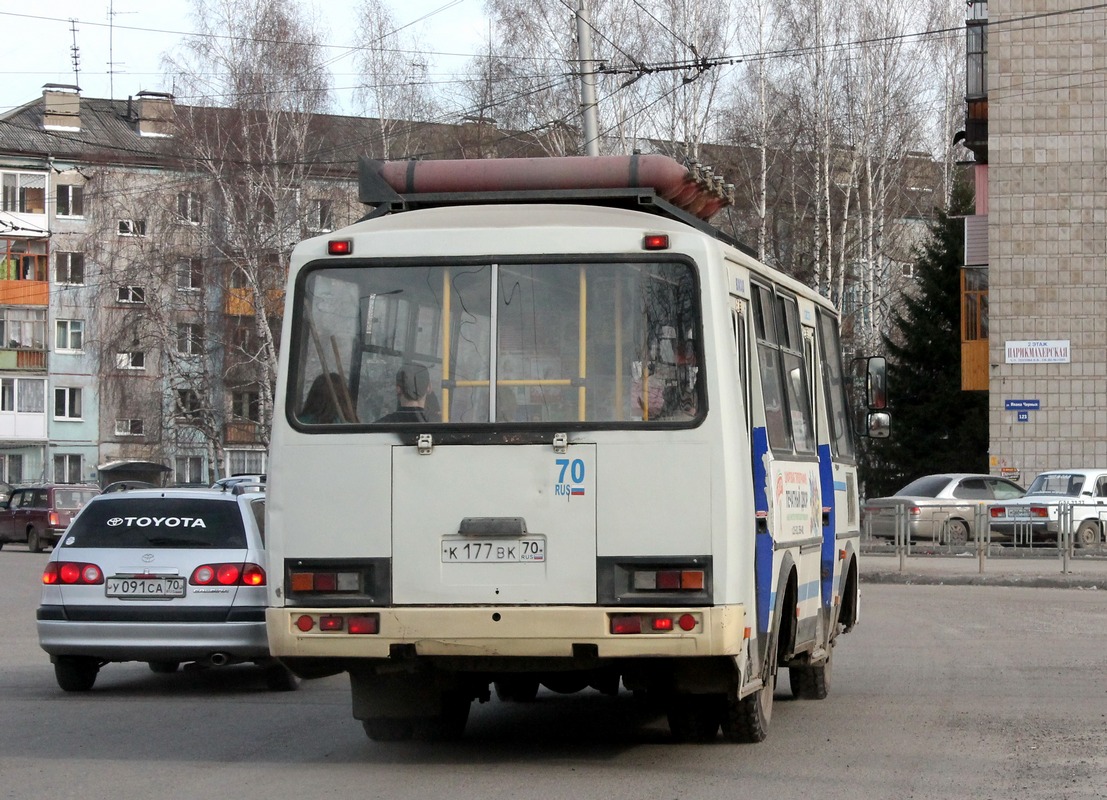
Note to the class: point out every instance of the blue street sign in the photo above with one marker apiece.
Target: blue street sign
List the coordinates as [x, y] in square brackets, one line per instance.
[1024, 416]
[1022, 405]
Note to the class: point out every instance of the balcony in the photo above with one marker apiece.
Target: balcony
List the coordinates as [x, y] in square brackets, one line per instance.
[22, 358]
[242, 432]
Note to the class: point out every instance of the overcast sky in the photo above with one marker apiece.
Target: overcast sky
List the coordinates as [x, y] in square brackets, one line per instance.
[38, 42]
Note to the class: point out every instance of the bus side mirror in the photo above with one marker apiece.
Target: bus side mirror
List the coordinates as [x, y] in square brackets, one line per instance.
[879, 425]
[876, 384]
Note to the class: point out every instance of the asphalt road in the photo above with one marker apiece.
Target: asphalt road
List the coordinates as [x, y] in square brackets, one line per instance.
[943, 691]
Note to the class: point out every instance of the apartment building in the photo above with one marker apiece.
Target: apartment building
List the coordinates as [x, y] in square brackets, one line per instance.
[1035, 283]
[142, 271]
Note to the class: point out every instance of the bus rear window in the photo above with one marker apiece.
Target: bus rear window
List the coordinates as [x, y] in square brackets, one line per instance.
[591, 343]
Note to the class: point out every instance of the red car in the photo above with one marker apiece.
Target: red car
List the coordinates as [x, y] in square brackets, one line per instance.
[39, 515]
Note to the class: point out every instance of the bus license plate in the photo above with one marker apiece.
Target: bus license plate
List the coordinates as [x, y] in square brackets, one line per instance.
[147, 587]
[498, 551]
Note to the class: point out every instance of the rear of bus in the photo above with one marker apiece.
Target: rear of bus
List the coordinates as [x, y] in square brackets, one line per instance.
[512, 449]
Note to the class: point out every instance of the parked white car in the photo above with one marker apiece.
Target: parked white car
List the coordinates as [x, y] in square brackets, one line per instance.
[1038, 511]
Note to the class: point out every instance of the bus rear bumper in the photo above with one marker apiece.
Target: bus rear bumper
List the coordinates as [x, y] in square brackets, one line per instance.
[508, 631]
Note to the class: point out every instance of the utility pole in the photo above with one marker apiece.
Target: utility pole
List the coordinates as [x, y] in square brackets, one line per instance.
[591, 124]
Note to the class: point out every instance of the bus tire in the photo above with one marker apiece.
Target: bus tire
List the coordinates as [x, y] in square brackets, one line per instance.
[449, 724]
[388, 729]
[811, 682]
[521, 689]
[694, 718]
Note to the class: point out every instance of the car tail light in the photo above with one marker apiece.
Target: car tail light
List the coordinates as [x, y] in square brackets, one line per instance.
[997, 512]
[914, 511]
[72, 573]
[228, 575]
[53, 520]
[1042, 512]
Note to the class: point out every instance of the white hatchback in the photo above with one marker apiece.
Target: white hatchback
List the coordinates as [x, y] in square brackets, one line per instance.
[164, 576]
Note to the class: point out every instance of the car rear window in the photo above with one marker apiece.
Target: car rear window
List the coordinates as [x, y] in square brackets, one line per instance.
[924, 487]
[158, 522]
[72, 499]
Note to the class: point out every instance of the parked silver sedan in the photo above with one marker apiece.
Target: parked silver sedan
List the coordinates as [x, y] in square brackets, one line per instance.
[164, 576]
[939, 507]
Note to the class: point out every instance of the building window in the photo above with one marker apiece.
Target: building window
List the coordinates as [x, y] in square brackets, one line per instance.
[246, 462]
[129, 427]
[246, 405]
[190, 274]
[71, 201]
[976, 52]
[132, 294]
[320, 215]
[188, 404]
[974, 304]
[68, 468]
[190, 207]
[69, 335]
[23, 328]
[135, 359]
[244, 337]
[23, 192]
[23, 395]
[240, 279]
[24, 260]
[69, 268]
[189, 469]
[190, 339]
[11, 467]
[132, 227]
[67, 402]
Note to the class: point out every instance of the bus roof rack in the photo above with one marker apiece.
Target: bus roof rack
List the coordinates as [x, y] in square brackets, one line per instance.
[656, 184]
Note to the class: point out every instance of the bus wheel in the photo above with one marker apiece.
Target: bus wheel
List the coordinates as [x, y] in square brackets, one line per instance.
[694, 717]
[449, 724]
[388, 729]
[521, 689]
[811, 682]
[1087, 535]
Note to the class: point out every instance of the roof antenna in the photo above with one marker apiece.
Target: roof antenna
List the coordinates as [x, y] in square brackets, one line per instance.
[75, 53]
[111, 47]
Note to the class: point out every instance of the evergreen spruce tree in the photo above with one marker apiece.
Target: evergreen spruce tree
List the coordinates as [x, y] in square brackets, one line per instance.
[936, 427]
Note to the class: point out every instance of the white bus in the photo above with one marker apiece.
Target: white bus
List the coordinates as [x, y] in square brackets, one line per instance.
[539, 424]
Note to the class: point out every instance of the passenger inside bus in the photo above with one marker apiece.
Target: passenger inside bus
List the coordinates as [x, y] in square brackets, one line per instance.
[321, 404]
[412, 386]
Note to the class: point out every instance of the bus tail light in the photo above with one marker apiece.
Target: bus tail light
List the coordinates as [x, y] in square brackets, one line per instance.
[669, 580]
[652, 622]
[355, 624]
[324, 582]
[340, 247]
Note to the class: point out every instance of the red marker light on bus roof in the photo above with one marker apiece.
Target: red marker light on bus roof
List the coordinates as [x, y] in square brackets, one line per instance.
[655, 241]
[340, 247]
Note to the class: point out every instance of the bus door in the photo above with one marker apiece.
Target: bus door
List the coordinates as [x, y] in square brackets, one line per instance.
[487, 525]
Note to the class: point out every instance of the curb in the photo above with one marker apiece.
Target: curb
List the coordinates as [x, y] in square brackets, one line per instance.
[1058, 581]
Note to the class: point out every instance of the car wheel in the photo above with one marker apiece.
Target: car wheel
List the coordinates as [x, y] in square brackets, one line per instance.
[164, 667]
[33, 544]
[1087, 535]
[279, 678]
[958, 532]
[76, 673]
